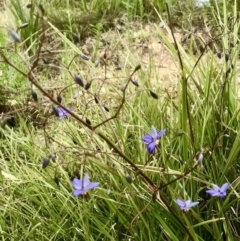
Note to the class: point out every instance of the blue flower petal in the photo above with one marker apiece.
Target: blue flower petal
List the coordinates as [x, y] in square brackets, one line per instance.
[151, 147]
[153, 132]
[78, 192]
[92, 185]
[212, 192]
[161, 133]
[147, 139]
[77, 184]
[192, 204]
[224, 187]
[86, 180]
[180, 203]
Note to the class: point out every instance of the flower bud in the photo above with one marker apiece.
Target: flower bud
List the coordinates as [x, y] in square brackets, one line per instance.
[46, 61]
[79, 80]
[76, 39]
[128, 178]
[154, 95]
[34, 96]
[96, 99]
[29, 5]
[134, 82]
[45, 162]
[24, 25]
[15, 36]
[88, 85]
[227, 56]
[106, 108]
[84, 57]
[219, 55]
[88, 121]
[59, 99]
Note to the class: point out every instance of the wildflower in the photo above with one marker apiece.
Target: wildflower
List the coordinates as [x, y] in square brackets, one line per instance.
[82, 186]
[152, 139]
[186, 205]
[15, 36]
[218, 191]
[62, 114]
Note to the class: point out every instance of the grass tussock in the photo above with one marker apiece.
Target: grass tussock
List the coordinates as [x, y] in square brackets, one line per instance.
[147, 111]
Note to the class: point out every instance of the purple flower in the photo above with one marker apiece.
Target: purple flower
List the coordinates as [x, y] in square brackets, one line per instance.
[82, 186]
[62, 114]
[186, 205]
[218, 191]
[152, 139]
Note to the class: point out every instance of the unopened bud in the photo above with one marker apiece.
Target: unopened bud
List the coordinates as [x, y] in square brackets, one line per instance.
[219, 55]
[34, 96]
[59, 99]
[45, 162]
[88, 121]
[88, 85]
[135, 82]
[84, 57]
[227, 57]
[106, 108]
[15, 36]
[154, 95]
[128, 178]
[24, 25]
[79, 80]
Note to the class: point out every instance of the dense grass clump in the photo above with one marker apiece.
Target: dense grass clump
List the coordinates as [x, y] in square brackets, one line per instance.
[100, 141]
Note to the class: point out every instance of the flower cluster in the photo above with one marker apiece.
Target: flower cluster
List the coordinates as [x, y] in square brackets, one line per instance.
[151, 140]
[216, 191]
